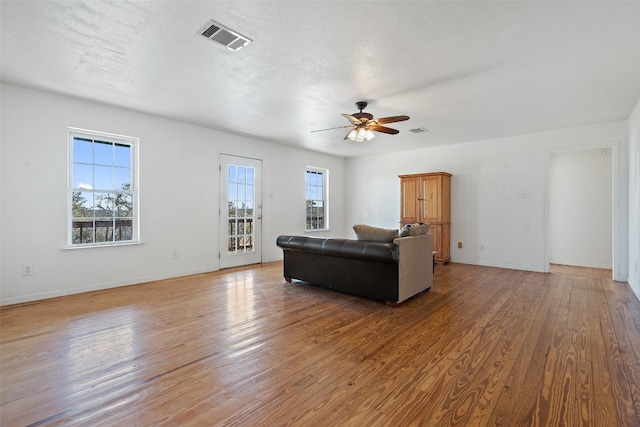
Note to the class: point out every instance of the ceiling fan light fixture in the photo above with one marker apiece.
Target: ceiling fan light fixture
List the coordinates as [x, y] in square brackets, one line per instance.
[360, 134]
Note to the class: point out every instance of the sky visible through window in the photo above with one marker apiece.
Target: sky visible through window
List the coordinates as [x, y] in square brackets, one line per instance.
[99, 165]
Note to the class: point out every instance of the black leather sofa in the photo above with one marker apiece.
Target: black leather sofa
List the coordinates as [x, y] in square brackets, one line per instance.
[387, 271]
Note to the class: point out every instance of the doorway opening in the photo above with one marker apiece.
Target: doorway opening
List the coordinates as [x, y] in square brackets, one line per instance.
[580, 215]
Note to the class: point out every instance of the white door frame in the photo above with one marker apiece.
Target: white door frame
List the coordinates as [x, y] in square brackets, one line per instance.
[619, 206]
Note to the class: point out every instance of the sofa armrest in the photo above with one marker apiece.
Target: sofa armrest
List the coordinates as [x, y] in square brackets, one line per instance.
[415, 269]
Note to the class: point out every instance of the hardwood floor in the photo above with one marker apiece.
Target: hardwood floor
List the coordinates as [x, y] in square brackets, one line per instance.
[241, 347]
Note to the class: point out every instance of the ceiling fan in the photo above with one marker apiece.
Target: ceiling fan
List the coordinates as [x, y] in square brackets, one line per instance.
[363, 124]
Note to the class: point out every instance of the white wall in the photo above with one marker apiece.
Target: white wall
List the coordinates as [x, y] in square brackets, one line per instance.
[580, 201]
[634, 200]
[486, 203]
[178, 196]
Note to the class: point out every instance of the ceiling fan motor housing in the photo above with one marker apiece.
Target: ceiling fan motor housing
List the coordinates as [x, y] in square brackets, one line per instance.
[361, 116]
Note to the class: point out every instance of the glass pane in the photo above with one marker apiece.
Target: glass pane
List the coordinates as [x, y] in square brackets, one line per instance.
[82, 222]
[104, 205]
[233, 192]
[249, 211]
[82, 150]
[232, 244]
[123, 179]
[75, 235]
[242, 172]
[240, 228]
[87, 235]
[232, 209]
[123, 155]
[123, 232]
[232, 174]
[82, 206]
[82, 176]
[123, 205]
[249, 227]
[103, 178]
[232, 228]
[103, 153]
[104, 229]
[249, 192]
[241, 192]
[250, 175]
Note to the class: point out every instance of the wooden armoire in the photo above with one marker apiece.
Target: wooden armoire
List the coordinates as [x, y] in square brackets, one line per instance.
[426, 197]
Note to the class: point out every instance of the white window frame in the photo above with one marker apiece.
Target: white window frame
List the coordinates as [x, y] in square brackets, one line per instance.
[325, 196]
[133, 143]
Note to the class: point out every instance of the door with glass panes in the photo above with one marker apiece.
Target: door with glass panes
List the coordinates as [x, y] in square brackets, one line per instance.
[240, 211]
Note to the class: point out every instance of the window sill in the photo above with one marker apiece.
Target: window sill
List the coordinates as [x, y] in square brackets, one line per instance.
[317, 230]
[102, 245]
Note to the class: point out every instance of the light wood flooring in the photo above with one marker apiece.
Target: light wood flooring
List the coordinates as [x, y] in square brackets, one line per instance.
[241, 347]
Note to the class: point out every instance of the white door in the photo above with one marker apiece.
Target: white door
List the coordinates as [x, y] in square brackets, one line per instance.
[240, 211]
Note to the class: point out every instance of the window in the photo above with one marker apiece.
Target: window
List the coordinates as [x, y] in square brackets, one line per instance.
[241, 194]
[317, 209]
[102, 189]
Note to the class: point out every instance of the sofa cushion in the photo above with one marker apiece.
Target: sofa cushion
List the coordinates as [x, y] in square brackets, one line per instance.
[417, 229]
[374, 234]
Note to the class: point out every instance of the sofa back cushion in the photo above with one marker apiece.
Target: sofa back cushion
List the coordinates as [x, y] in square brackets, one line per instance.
[374, 234]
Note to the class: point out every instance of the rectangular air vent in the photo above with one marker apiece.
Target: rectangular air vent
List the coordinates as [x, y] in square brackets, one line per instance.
[224, 36]
[418, 130]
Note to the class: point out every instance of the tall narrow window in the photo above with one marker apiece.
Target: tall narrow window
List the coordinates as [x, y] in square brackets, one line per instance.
[317, 209]
[102, 189]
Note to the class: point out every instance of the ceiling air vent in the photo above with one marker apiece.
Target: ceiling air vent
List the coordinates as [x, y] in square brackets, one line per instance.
[224, 36]
[418, 130]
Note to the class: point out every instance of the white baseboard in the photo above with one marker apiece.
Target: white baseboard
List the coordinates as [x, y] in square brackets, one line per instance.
[94, 287]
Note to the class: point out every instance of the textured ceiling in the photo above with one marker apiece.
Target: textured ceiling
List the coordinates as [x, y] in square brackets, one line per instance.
[466, 71]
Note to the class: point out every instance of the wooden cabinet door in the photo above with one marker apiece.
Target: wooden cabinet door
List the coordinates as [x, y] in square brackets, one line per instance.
[409, 207]
[431, 199]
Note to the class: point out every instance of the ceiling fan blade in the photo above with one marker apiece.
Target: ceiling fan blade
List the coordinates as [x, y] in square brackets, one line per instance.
[354, 120]
[383, 129]
[393, 119]
[337, 127]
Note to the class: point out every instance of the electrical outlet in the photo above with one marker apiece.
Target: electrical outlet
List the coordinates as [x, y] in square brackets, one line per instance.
[174, 254]
[459, 245]
[27, 269]
[524, 194]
